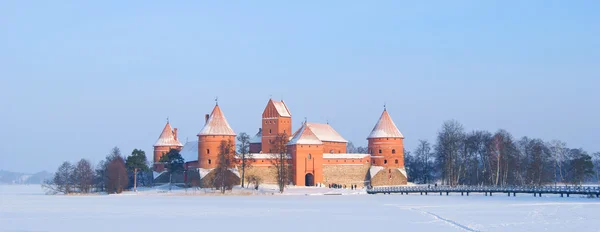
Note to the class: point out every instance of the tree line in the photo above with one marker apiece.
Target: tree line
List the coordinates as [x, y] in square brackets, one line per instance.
[498, 159]
[114, 174]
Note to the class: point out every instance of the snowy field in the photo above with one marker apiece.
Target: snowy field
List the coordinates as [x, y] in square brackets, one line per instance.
[26, 208]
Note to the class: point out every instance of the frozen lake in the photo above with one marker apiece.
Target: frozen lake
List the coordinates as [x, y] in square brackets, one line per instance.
[26, 208]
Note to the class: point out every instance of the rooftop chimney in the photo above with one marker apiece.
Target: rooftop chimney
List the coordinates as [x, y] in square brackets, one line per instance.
[206, 118]
[175, 134]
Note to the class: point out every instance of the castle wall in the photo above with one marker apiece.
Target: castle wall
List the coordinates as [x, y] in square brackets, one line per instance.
[388, 177]
[346, 174]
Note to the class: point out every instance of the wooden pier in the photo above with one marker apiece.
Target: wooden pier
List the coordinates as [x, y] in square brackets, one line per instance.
[489, 190]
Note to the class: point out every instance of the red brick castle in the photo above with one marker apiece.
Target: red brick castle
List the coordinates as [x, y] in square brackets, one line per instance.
[316, 152]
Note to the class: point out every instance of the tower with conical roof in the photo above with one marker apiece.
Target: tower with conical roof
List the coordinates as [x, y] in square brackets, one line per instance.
[215, 130]
[166, 141]
[386, 143]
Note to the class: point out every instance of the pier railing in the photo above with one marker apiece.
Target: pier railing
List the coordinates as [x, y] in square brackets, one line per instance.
[535, 190]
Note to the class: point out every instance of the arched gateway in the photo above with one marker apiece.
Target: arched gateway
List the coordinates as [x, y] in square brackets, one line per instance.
[309, 180]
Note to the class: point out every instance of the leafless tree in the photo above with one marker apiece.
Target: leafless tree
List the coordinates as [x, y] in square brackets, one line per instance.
[350, 148]
[243, 150]
[281, 161]
[84, 176]
[63, 180]
[116, 175]
[448, 149]
[596, 161]
[223, 177]
[560, 153]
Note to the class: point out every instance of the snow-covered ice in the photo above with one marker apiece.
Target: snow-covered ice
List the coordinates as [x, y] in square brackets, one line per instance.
[26, 208]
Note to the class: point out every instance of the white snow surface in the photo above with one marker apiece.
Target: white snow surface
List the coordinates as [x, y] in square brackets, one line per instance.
[344, 156]
[27, 208]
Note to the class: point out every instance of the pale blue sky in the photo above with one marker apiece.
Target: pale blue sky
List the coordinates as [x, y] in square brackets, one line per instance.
[78, 78]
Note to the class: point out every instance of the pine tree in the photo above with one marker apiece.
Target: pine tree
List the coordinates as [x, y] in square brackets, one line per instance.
[136, 162]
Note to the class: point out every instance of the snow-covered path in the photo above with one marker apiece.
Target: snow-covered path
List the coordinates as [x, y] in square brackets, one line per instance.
[25, 208]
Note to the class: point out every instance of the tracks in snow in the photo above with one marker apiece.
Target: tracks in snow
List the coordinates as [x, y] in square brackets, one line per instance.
[437, 217]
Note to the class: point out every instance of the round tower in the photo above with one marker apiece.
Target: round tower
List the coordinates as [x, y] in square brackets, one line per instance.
[166, 141]
[386, 143]
[215, 130]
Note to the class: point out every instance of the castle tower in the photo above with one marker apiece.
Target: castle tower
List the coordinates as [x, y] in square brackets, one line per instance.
[214, 131]
[166, 141]
[386, 143]
[276, 119]
[306, 151]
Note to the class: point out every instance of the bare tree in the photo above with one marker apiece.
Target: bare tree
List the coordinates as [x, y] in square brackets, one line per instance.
[116, 175]
[63, 180]
[596, 161]
[448, 148]
[350, 148]
[84, 176]
[281, 161]
[559, 153]
[243, 150]
[223, 177]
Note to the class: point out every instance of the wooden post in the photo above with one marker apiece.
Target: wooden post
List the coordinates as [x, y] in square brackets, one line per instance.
[135, 179]
[467, 193]
[440, 193]
[490, 194]
[486, 194]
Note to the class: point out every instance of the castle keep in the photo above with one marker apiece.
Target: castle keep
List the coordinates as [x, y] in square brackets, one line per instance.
[316, 152]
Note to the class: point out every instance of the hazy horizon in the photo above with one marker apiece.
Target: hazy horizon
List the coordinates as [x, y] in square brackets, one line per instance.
[78, 78]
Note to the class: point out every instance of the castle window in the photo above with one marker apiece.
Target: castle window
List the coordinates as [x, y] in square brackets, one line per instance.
[396, 161]
[270, 151]
[309, 156]
[393, 151]
[270, 131]
[209, 162]
[207, 151]
[379, 151]
[331, 151]
[384, 161]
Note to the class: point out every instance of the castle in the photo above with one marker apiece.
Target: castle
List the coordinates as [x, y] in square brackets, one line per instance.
[316, 152]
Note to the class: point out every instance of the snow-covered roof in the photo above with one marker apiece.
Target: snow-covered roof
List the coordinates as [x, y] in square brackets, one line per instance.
[217, 124]
[374, 170]
[344, 156]
[263, 156]
[305, 136]
[257, 138]
[167, 137]
[403, 171]
[189, 152]
[282, 108]
[385, 128]
[326, 133]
